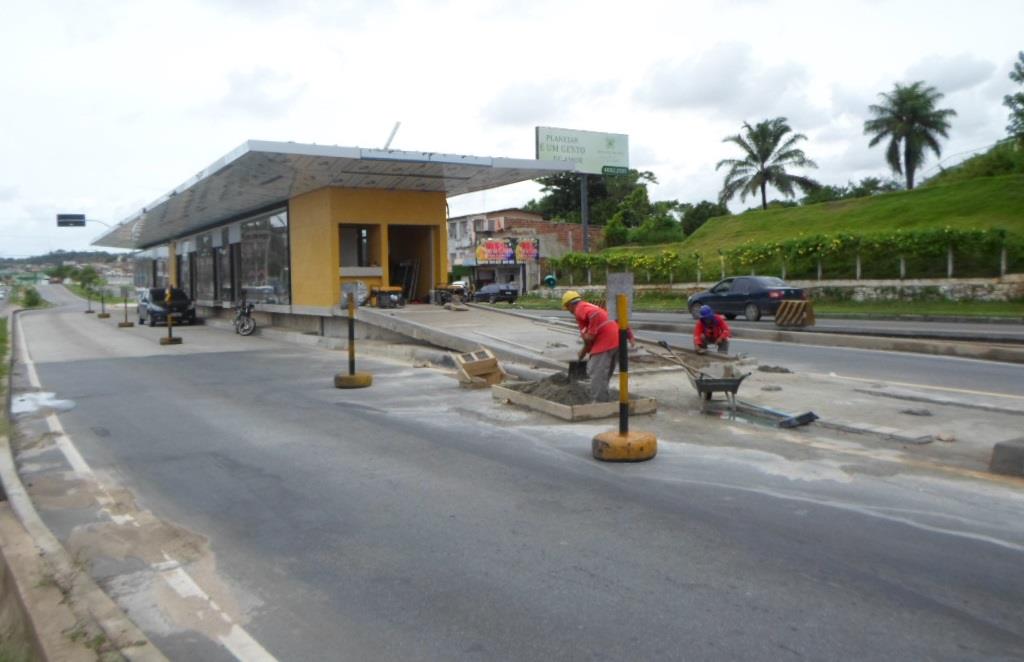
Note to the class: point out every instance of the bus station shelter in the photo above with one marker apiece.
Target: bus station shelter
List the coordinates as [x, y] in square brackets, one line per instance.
[288, 225]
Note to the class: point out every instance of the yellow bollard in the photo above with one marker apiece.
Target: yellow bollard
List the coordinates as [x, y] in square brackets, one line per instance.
[170, 338]
[353, 379]
[623, 445]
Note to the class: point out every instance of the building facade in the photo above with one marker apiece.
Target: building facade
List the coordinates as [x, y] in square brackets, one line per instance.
[473, 239]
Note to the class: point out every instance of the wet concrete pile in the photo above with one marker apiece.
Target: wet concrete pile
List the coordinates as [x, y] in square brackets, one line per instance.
[558, 388]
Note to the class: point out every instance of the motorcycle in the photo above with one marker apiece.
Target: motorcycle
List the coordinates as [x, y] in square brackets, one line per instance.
[244, 323]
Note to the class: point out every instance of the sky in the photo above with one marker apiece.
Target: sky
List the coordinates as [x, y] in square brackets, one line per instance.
[108, 105]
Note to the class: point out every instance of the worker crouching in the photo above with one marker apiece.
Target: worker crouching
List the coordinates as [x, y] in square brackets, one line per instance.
[600, 340]
[711, 329]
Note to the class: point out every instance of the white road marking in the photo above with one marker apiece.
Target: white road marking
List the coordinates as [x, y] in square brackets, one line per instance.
[239, 642]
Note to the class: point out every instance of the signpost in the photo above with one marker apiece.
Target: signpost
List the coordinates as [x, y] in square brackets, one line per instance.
[589, 152]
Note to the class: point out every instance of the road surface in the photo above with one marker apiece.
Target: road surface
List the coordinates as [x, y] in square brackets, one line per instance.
[418, 521]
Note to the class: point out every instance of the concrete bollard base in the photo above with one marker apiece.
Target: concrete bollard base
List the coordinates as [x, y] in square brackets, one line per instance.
[358, 380]
[103, 316]
[630, 447]
[1008, 458]
[164, 340]
[125, 325]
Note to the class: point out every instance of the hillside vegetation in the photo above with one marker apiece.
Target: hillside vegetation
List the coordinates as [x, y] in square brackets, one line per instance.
[981, 203]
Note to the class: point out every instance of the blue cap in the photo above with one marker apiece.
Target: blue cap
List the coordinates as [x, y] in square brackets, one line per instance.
[706, 312]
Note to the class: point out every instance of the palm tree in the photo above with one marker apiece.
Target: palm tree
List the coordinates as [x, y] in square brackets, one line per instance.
[909, 120]
[767, 157]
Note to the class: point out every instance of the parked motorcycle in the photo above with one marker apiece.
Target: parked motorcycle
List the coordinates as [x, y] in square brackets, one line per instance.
[244, 323]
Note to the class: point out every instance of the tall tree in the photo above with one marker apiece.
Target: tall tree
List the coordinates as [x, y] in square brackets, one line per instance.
[561, 195]
[768, 153]
[909, 120]
[1015, 101]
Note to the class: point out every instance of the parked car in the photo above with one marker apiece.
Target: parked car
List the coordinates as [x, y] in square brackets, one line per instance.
[153, 308]
[750, 296]
[495, 292]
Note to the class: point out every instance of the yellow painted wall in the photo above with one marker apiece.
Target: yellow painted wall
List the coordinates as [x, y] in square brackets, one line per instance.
[314, 250]
[314, 219]
[377, 206]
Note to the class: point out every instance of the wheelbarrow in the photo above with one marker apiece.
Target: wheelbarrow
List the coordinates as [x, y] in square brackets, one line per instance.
[707, 385]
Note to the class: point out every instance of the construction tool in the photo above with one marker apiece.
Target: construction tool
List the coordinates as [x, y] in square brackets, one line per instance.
[577, 370]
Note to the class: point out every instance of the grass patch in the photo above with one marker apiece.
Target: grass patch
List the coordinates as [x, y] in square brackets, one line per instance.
[988, 202]
[1007, 309]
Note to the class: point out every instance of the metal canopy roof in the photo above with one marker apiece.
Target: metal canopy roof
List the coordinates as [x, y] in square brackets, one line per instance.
[260, 174]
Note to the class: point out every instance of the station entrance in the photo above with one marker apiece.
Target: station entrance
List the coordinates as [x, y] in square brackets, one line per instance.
[411, 260]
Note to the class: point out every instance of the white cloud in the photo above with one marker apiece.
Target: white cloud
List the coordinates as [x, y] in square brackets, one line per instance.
[950, 74]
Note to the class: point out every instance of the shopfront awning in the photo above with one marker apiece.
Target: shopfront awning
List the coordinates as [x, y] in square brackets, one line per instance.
[260, 174]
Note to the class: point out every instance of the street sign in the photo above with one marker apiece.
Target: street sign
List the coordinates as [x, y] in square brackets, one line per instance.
[614, 170]
[70, 220]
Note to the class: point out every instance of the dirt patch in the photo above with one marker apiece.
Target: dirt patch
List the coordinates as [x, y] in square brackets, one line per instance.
[774, 368]
[558, 388]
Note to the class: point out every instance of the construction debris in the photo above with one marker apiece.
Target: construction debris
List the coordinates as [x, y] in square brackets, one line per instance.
[478, 369]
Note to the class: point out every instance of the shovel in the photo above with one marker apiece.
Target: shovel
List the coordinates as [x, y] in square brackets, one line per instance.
[577, 370]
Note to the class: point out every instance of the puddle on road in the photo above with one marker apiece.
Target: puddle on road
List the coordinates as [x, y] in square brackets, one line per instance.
[30, 403]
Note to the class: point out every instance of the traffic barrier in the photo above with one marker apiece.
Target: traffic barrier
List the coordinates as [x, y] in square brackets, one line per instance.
[353, 379]
[795, 313]
[623, 445]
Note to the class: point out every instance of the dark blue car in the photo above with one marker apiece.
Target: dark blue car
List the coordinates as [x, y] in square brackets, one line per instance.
[750, 296]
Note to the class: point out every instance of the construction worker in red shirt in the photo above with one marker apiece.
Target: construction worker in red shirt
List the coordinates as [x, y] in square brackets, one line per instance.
[600, 340]
[711, 329]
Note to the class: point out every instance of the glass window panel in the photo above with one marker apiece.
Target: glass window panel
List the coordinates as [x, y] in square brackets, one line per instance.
[264, 259]
[204, 285]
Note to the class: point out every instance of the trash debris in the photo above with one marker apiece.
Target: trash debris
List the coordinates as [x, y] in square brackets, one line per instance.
[774, 368]
[771, 388]
[948, 437]
[555, 345]
[916, 412]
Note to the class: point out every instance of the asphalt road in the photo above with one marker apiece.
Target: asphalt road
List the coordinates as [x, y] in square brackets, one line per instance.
[418, 521]
[972, 331]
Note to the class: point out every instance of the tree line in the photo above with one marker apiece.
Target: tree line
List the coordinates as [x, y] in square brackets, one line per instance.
[907, 122]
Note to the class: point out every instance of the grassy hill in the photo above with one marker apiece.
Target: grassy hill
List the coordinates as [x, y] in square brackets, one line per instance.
[986, 202]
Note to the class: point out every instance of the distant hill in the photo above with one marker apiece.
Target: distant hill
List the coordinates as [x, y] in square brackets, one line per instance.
[984, 202]
[59, 257]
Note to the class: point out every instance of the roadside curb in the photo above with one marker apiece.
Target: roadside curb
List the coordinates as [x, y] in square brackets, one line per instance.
[81, 598]
[981, 349]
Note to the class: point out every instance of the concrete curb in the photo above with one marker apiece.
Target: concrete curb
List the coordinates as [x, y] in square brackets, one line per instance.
[432, 336]
[922, 318]
[84, 599]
